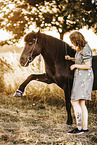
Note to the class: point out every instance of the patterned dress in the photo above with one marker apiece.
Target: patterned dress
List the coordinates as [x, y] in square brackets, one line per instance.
[83, 79]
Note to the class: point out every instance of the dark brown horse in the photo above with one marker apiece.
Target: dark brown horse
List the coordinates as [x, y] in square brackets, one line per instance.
[57, 69]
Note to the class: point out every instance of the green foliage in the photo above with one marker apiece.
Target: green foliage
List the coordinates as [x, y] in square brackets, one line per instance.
[65, 16]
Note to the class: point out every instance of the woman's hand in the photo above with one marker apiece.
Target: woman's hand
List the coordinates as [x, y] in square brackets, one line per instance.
[67, 57]
[72, 67]
[87, 65]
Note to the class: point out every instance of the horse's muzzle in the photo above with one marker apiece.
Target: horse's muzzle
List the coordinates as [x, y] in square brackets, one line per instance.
[24, 62]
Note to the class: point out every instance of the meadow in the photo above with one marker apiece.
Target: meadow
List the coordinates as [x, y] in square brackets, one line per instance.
[39, 116]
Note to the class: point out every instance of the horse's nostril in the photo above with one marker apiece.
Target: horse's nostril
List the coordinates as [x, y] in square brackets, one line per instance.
[22, 60]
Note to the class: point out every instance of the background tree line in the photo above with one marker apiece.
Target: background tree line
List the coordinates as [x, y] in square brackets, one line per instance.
[17, 16]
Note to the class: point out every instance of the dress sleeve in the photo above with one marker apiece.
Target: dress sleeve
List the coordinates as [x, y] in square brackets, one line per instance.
[87, 53]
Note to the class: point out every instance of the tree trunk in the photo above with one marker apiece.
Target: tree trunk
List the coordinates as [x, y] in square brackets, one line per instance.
[61, 36]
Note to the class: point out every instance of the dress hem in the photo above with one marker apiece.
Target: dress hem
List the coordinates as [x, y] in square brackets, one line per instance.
[82, 99]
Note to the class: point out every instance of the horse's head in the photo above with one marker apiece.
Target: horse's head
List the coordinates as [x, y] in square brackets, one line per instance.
[31, 49]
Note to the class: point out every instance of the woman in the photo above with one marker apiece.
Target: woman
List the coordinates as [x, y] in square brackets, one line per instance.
[83, 81]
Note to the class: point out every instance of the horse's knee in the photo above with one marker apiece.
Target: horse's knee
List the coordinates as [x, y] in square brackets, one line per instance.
[30, 77]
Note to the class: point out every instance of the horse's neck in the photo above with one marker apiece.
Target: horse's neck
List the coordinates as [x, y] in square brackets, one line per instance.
[55, 49]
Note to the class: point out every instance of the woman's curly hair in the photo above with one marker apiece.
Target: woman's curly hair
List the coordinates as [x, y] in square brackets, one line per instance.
[78, 39]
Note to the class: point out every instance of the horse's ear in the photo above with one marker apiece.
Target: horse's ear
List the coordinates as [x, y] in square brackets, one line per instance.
[37, 33]
[33, 31]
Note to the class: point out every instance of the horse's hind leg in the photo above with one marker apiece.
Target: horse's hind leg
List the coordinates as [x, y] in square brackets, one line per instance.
[40, 77]
[68, 107]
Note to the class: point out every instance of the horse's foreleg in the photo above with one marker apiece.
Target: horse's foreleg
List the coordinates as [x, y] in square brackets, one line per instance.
[68, 107]
[40, 77]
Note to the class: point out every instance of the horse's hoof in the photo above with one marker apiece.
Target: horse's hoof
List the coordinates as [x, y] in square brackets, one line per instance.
[18, 93]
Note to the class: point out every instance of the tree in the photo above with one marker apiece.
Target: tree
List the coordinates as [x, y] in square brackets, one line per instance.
[17, 19]
[64, 15]
[70, 15]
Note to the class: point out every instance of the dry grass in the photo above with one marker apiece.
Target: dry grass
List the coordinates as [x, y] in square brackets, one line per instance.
[10, 48]
[39, 117]
[24, 121]
[13, 75]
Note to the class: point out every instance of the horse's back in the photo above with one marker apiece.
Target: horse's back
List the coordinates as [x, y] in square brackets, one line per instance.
[94, 62]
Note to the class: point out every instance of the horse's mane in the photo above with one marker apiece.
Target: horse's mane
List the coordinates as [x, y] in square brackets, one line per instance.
[56, 46]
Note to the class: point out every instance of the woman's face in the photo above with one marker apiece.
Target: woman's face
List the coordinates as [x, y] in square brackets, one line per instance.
[76, 47]
[73, 42]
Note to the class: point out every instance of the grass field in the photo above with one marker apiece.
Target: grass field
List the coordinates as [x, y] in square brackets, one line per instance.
[39, 117]
[24, 121]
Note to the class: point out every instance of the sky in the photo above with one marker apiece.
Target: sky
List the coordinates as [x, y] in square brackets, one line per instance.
[90, 37]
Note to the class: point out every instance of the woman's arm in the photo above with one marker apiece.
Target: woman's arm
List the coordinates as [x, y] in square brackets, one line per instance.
[69, 58]
[87, 65]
